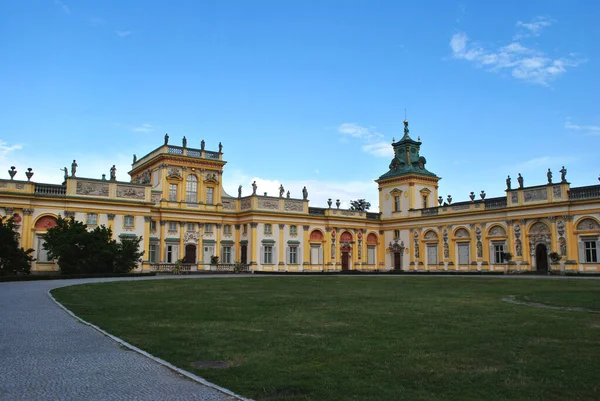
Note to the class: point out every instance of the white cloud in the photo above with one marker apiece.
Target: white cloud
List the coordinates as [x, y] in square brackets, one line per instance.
[373, 143]
[144, 128]
[64, 7]
[379, 149]
[590, 129]
[538, 164]
[532, 28]
[5, 149]
[122, 34]
[521, 62]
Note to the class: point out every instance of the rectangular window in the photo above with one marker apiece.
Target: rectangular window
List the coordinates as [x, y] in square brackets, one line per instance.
[293, 255]
[152, 225]
[172, 226]
[268, 254]
[128, 221]
[172, 253]
[152, 253]
[396, 234]
[316, 255]
[370, 255]
[190, 226]
[210, 196]
[499, 253]
[463, 253]
[432, 254]
[208, 228]
[591, 252]
[396, 203]
[293, 230]
[173, 192]
[268, 229]
[227, 229]
[42, 254]
[92, 219]
[424, 201]
[226, 255]
[191, 190]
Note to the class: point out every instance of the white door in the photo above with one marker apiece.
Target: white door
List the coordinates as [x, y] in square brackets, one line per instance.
[209, 250]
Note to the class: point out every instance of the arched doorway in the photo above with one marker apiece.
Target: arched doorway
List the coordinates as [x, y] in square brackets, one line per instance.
[190, 254]
[541, 259]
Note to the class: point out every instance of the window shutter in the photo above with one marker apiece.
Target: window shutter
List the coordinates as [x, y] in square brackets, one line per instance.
[597, 250]
[287, 252]
[320, 255]
[262, 255]
[581, 251]
[298, 255]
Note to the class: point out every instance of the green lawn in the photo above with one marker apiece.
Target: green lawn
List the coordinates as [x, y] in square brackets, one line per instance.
[362, 338]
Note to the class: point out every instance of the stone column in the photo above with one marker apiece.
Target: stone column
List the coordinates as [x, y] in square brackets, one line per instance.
[306, 246]
[182, 229]
[146, 245]
[282, 245]
[253, 243]
[163, 242]
[238, 248]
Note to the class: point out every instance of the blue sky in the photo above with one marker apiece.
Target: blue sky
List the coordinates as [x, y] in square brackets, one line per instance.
[305, 92]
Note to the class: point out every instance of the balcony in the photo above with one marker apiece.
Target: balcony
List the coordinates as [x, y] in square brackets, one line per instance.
[591, 192]
[49, 189]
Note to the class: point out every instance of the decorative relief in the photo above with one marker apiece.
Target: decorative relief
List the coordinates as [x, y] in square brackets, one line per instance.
[416, 239]
[293, 206]
[556, 192]
[174, 172]
[514, 197]
[111, 216]
[156, 197]
[497, 231]
[144, 178]
[446, 248]
[91, 188]
[245, 204]
[28, 212]
[228, 204]
[359, 248]
[562, 243]
[460, 207]
[532, 195]
[539, 228]
[431, 235]
[271, 204]
[560, 226]
[462, 233]
[69, 214]
[587, 225]
[3, 185]
[9, 211]
[131, 192]
[20, 186]
[348, 213]
[191, 236]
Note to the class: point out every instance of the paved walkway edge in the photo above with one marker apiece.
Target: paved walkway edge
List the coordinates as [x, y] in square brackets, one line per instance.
[166, 364]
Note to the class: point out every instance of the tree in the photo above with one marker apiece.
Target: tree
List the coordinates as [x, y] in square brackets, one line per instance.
[78, 250]
[13, 259]
[360, 205]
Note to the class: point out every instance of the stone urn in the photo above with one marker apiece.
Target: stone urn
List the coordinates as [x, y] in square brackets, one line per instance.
[329, 202]
[472, 196]
[482, 194]
[449, 199]
[29, 173]
[12, 172]
[440, 200]
[337, 203]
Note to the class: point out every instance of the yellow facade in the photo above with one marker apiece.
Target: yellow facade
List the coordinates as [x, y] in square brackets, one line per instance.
[176, 202]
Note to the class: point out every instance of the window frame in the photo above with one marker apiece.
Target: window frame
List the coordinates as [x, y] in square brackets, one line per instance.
[191, 189]
[590, 255]
[87, 220]
[126, 218]
[210, 196]
[293, 255]
[396, 203]
[293, 230]
[173, 192]
[268, 254]
[268, 229]
[172, 226]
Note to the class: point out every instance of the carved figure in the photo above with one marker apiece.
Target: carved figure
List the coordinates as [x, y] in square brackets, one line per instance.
[520, 180]
[184, 142]
[508, 183]
[73, 168]
[304, 193]
[281, 191]
[519, 248]
[113, 173]
[254, 188]
[288, 194]
[549, 175]
[563, 174]
[563, 247]
[134, 158]
[240, 191]
[220, 147]
[66, 172]
[479, 249]
[202, 144]
[166, 139]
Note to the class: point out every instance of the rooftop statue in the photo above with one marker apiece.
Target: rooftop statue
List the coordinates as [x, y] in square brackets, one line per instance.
[113, 173]
[508, 183]
[73, 168]
[202, 145]
[281, 191]
[549, 175]
[520, 179]
[254, 188]
[240, 191]
[304, 193]
[563, 174]
[166, 139]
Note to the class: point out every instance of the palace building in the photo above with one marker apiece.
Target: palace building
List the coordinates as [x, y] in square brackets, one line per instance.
[176, 202]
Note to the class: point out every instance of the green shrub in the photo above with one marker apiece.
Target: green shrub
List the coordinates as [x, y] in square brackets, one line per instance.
[14, 260]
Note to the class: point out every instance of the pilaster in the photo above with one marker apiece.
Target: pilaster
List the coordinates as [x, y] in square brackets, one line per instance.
[163, 243]
[253, 243]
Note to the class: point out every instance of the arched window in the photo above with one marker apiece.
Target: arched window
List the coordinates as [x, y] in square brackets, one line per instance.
[191, 192]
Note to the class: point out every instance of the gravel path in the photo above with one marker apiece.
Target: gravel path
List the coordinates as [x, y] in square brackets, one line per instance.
[46, 354]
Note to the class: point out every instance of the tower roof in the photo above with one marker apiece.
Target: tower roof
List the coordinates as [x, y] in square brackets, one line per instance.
[406, 158]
